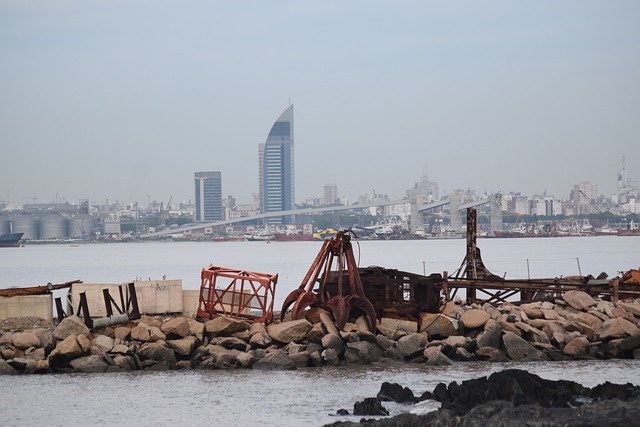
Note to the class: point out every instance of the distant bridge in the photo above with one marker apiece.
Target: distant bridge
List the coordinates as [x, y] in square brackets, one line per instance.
[283, 213]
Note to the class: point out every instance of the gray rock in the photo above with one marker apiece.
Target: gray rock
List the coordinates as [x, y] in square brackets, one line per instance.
[300, 359]
[90, 364]
[579, 300]
[520, 350]
[286, 332]
[435, 357]
[222, 357]
[384, 342]
[260, 340]
[367, 352]
[276, 360]
[412, 344]
[316, 333]
[6, 369]
[245, 360]
[491, 354]
[158, 352]
[230, 343]
[491, 335]
[334, 342]
[330, 356]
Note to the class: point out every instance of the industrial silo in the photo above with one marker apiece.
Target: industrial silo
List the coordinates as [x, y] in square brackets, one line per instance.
[81, 227]
[53, 227]
[5, 225]
[27, 224]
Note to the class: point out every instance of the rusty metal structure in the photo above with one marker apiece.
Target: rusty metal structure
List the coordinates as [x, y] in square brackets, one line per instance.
[247, 295]
[36, 290]
[128, 308]
[474, 277]
[335, 252]
[396, 293]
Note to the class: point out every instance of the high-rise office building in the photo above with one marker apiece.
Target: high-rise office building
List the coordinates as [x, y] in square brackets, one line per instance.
[208, 196]
[276, 169]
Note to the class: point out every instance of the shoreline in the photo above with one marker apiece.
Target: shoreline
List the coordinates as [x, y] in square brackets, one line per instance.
[574, 327]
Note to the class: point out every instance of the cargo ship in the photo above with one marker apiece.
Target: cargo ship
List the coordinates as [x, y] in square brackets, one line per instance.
[10, 240]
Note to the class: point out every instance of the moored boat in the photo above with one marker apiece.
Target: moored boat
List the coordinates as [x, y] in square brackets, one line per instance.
[10, 240]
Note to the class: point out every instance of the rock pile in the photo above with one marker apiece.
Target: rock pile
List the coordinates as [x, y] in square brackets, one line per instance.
[509, 397]
[572, 327]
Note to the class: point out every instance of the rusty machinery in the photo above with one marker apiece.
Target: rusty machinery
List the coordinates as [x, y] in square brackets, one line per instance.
[474, 277]
[373, 291]
[248, 295]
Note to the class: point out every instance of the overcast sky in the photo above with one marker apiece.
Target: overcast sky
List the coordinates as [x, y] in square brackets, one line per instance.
[122, 99]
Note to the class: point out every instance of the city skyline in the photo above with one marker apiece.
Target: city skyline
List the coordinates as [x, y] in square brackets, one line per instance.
[107, 101]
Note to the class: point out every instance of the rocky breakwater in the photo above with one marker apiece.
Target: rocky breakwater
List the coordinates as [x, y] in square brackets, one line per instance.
[572, 327]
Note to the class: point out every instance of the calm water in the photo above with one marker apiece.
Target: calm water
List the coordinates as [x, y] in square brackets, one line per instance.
[303, 397]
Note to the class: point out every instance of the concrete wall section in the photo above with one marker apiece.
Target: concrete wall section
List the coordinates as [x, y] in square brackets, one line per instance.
[154, 297]
[28, 305]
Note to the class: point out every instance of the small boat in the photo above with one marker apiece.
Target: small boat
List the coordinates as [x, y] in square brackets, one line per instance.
[10, 240]
[259, 236]
[631, 230]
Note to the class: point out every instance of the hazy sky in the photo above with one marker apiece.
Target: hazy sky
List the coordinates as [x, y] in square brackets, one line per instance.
[120, 99]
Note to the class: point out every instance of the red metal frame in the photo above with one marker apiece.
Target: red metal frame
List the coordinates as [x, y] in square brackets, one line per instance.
[249, 296]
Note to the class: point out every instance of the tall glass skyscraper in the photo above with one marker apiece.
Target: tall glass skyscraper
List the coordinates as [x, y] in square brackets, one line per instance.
[208, 196]
[276, 169]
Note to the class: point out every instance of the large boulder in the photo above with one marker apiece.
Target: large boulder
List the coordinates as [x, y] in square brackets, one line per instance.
[183, 346]
[231, 343]
[491, 335]
[333, 342]
[24, 340]
[438, 325]
[140, 333]
[6, 369]
[579, 300]
[412, 345]
[293, 331]
[178, 327]
[577, 347]
[225, 326]
[520, 350]
[617, 328]
[276, 360]
[474, 318]
[71, 325]
[65, 351]
[90, 364]
[395, 325]
[158, 352]
[435, 357]
[103, 343]
[362, 352]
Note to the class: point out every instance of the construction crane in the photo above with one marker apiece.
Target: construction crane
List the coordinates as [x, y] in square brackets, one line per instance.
[164, 212]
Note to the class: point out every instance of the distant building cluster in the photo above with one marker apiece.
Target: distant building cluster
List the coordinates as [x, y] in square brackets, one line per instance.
[276, 193]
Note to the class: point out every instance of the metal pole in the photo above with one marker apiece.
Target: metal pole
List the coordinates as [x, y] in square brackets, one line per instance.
[579, 269]
[528, 270]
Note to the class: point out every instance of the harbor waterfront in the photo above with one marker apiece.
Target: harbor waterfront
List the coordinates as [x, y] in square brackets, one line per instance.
[304, 396]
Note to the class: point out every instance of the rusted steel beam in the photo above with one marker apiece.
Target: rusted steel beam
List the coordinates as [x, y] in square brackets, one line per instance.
[36, 290]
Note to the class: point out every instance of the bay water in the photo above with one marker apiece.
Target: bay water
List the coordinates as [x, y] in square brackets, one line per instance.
[302, 397]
